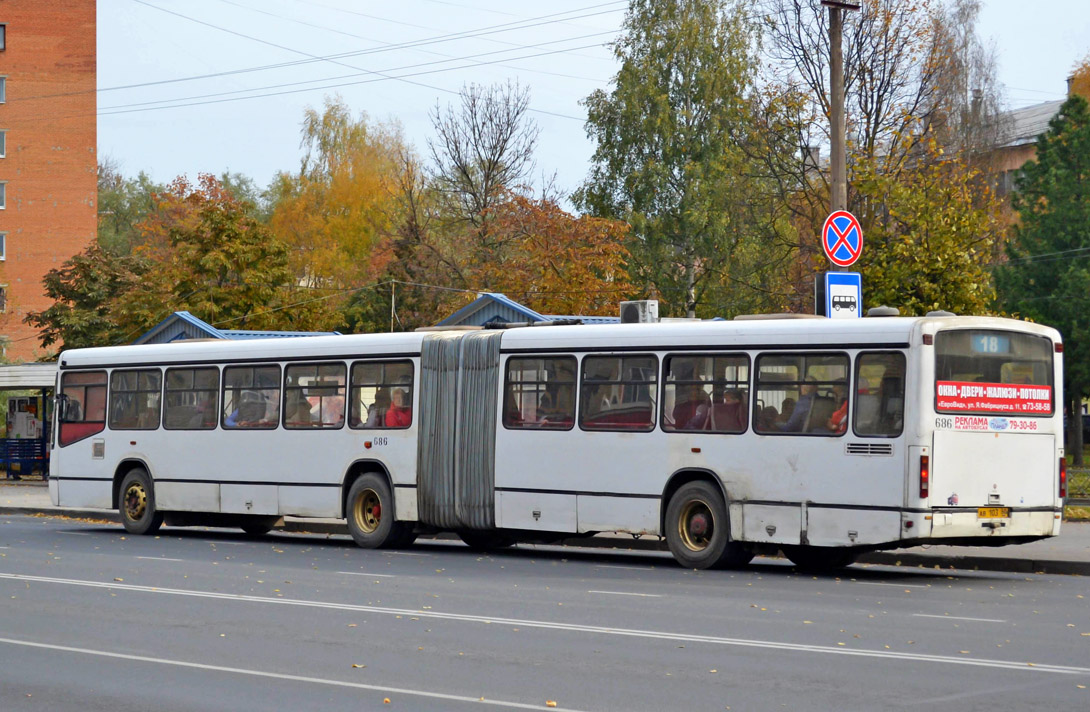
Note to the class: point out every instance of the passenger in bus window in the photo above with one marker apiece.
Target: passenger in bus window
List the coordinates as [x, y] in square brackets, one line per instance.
[691, 410]
[838, 421]
[400, 414]
[297, 412]
[801, 411]
[786, 409]
[376, 414]
[730, 415]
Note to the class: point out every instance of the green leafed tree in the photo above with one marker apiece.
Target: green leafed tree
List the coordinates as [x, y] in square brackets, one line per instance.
[1047, 277]
[83, 291]
[674, 135]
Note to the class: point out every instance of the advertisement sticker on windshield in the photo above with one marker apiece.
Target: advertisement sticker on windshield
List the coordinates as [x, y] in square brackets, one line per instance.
[992, 397]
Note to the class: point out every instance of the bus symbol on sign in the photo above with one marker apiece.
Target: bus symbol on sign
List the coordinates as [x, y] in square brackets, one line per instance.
[844, 301]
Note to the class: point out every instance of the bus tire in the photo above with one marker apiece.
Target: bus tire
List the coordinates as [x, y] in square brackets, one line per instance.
[817, 559]
[370, 514]
[136, 503]
[485, 539]
[698, 529]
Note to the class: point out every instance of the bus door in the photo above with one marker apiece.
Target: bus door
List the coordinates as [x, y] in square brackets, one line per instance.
[995, 443]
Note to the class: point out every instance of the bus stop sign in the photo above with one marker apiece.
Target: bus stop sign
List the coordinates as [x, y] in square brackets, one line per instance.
[843, 295]
[842, 238]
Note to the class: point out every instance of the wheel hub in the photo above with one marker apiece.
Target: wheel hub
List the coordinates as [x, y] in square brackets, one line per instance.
[136, 501]
[696, 525]
[368, 511]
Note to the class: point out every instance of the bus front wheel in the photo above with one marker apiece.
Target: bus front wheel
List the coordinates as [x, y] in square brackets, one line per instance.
[370, 514]
[698, 530]
[136, 503]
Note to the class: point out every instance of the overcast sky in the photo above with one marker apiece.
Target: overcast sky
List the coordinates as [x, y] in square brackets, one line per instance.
[553, 48]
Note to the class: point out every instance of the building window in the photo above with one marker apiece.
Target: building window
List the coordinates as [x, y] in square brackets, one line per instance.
[3, 36]
[3, 195]
[3, 90]
[3, 143]
[3, 246]
[3, 298]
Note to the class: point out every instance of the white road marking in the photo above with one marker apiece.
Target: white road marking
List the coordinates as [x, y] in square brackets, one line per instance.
[405, 553]
[960, 618]
[5, 547]
[275, 675]
[360, 573]
[571, 627]
[626, 593]
[628, 568]
[157, 558]
[896, 585]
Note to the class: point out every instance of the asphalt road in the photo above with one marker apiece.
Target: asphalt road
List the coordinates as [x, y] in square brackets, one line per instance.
[94, 619]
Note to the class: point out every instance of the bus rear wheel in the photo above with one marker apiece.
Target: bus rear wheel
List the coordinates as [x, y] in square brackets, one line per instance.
[698, 529]
[136, 503]
[370, 514]
[819, 558]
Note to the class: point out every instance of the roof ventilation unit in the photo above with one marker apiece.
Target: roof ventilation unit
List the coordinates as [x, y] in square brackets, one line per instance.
[883, 311]
[941, 312]
[645, 311]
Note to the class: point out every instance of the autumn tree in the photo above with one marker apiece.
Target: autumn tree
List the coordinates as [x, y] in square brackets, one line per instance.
[122, 204]
[1047, 277]
[207, 254]
[671, 155]
[555, 262]
[921, 101]
[333, 213]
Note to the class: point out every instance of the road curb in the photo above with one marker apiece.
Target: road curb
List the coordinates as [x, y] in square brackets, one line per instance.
[882, 558]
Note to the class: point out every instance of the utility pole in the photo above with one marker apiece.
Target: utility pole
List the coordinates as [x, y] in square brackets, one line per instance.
[838, 199]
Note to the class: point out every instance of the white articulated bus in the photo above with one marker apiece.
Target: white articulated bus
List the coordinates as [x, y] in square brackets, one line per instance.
[821, 438]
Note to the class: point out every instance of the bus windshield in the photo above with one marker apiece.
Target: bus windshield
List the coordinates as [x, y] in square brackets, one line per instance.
[986, 371]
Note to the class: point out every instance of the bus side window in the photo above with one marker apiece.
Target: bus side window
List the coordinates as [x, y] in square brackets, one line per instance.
[251, 396]
[880, 394]
[134, 399]
[380, 395]
[84, 410]
[618, 393]
[539, 393]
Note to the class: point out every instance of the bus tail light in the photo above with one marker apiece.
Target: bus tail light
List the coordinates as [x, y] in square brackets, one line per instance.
[1063, 478]
[925, 476]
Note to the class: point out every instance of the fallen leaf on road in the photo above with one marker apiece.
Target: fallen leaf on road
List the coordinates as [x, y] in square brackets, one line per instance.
[550, 703]
[355, 665]
[385, 700]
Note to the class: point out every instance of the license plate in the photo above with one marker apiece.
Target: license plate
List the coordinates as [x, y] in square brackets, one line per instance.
[993, 512]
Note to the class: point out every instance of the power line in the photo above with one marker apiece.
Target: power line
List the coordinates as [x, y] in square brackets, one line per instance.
[104, 109]
[354, 83]
[467, 34]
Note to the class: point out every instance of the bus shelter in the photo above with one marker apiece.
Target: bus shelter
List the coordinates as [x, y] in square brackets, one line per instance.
[26, 404]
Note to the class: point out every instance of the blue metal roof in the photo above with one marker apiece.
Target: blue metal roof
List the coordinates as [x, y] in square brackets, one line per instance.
[487, 299]
[182, 325]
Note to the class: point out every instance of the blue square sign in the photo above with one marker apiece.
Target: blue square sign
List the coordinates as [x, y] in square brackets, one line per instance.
[843, 295]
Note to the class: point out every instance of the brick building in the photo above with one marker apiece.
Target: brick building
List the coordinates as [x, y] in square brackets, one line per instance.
[48, 163]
